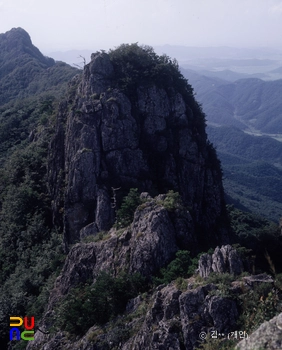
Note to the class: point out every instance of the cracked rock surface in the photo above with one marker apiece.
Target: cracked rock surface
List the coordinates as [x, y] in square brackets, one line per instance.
[151, 140]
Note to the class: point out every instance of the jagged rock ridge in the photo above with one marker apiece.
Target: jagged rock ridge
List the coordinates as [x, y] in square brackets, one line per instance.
[150, 136]
[169, 317]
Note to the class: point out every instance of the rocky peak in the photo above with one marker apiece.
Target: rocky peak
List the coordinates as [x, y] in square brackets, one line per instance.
[17, 34]
[139, 130]
[21, 63]
[17, 41]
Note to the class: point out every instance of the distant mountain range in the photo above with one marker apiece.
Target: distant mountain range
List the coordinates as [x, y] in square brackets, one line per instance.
[251, 104]
[222, 62]
[251, 164]
[252, 168]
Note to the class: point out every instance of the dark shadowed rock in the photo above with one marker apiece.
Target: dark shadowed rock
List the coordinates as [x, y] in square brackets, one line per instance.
[89, 230]
[205, 265]
[198, 310]
[151, 137]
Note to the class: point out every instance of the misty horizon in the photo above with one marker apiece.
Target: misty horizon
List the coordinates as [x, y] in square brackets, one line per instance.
[106, 24]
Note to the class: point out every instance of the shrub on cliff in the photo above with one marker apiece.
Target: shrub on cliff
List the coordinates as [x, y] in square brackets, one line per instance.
[129, 204]
[135, 65]
[92, 304]
[182, 266]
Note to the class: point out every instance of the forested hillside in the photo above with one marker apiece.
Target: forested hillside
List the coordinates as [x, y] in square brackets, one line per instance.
[252, 167]
[251, 164]
[31, 86]
[250, 104]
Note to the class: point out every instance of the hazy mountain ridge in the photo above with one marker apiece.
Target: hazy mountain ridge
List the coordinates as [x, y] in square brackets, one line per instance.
[31, 86]
[252, 169]
[234, 141]
[222, 62]
[24, 70]
[250, 104]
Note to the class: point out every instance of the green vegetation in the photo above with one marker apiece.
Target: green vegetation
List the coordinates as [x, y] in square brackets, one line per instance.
[252, 103]
[88, 305]
[135, 65]
[216, 344]
[100, 236]
[259, 235]
[248, 226]
[244, 148]
[30, 246]
[172, 201]
[25, 72]
[183, 266]
[125, 214]
[261, 178]
[258, 305]
[252, 170]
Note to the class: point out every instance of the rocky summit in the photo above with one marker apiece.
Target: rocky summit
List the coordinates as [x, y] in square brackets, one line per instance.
[130, 125]
[114, 134]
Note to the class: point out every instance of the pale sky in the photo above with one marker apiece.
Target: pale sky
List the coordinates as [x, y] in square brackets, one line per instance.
[101, 24]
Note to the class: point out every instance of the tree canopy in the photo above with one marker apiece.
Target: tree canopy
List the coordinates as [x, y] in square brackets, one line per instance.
[134, 64]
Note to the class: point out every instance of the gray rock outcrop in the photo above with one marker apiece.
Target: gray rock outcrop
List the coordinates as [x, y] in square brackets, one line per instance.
[174, 321]
[170, 317]
[154, 141]
[147, 245]
[267, 337]
[224, 260]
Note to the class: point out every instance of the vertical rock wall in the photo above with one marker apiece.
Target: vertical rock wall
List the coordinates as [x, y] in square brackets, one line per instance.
[151, 141]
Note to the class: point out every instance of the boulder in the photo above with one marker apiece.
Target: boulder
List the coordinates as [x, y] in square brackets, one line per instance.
[267, 337]
[224, 260]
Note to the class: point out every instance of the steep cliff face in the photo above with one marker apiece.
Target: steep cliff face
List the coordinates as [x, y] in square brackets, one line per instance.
[150, 136]
[142, 130]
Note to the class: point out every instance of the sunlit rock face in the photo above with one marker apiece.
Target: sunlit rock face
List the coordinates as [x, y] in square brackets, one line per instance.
[150, 139]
